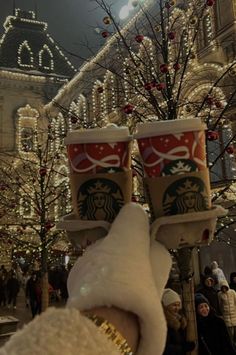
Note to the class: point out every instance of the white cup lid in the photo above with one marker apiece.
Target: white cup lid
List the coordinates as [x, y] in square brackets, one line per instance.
[108, 134]
[152, 129]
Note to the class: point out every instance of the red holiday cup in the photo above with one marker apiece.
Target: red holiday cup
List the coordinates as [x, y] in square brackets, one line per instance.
[99, 150]
[172, 147]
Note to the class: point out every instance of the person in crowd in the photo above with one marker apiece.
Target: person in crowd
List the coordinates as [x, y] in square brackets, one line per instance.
[232, 284]
[213, 336]
[176, 323]
[3, 270]
[3, 289]
[25, 278]
[208, 290]
[114, 306]
[227, 301]
[63, 283]
[218, 273]
[13, 288]
[33, 294]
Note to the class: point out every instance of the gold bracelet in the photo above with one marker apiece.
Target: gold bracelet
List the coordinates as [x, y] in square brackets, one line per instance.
[112, 333]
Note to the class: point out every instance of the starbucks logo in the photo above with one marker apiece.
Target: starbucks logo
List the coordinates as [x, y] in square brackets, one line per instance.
[99, 199]
[185, 195]
[179, 166]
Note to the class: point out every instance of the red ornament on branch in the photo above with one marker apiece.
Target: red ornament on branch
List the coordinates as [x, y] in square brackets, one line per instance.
[139, 38]
[43, 171]
[48, 225]
[128, 109]
[73, 119]
[105, 34]
[212, 135]
[210, 2]
[209, 100]
[171, 35]
[176, 66]
[219, 104]
[164, 68]
[230, 149]
[148, 86]
[100, 90]
[161, 86]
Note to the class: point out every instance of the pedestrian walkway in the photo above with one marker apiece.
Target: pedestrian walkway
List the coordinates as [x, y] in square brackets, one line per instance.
[22, 313]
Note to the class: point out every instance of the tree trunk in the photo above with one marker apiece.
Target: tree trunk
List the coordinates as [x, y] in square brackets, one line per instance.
[184, 260]
[189, 308]
[44, 279]
[45, 295]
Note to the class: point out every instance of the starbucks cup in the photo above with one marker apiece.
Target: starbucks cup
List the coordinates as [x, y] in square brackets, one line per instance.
[99, 150]
[172, 147]
[174, 161]
[100, 172]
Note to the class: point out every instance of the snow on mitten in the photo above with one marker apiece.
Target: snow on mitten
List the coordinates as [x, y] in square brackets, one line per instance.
[116, 271]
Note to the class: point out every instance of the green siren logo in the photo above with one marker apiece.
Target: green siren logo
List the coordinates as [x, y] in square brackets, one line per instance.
[99, 199]
[179, 166]
[185, 195]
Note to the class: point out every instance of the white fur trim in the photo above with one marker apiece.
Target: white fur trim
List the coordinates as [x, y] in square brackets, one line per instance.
[184, 230]
[59, 331]
[116, 271]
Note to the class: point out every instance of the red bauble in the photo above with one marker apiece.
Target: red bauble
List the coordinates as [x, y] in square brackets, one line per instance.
[100, 89]
[49, 126]
[164, 68]
[219, 104]
[134, 198]
[128, 109]
[210, 100]
[73, 119]
[43, 171]
[171, 35]
[154, 84]
[139, 38]
[212, 135]
[148, 86]
[230, 149]
[48, 225]
[105, 34]
[161, 86]
[176, 66]
[210, 2]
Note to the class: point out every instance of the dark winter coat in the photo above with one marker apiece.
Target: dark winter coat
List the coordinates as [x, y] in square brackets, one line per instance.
[175, 342]
[13, 286]
[31, 289]
[213, 336]
[232, 284]
[212, 296]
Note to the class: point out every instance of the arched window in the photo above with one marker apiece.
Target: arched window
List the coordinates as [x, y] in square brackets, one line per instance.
[26, 128]
[25, 55]
[46, 58]
[78, 113]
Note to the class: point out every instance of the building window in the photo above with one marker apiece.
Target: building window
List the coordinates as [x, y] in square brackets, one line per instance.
[25, 55]
[46, 58]
[26, 128]
[27, 139]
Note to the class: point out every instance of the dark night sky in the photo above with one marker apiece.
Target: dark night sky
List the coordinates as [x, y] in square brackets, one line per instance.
[70, 22]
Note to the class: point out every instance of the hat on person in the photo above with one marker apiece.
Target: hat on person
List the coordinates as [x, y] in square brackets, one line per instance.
[199, 299]
[170, 296]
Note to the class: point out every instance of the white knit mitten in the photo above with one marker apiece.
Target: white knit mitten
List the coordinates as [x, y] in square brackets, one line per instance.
[116, 271]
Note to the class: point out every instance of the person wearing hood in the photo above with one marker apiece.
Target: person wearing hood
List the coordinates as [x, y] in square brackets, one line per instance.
[227, 301]
[176, 324]
[213, 336]
[208, 290]
[218, 273]
[232, 284]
